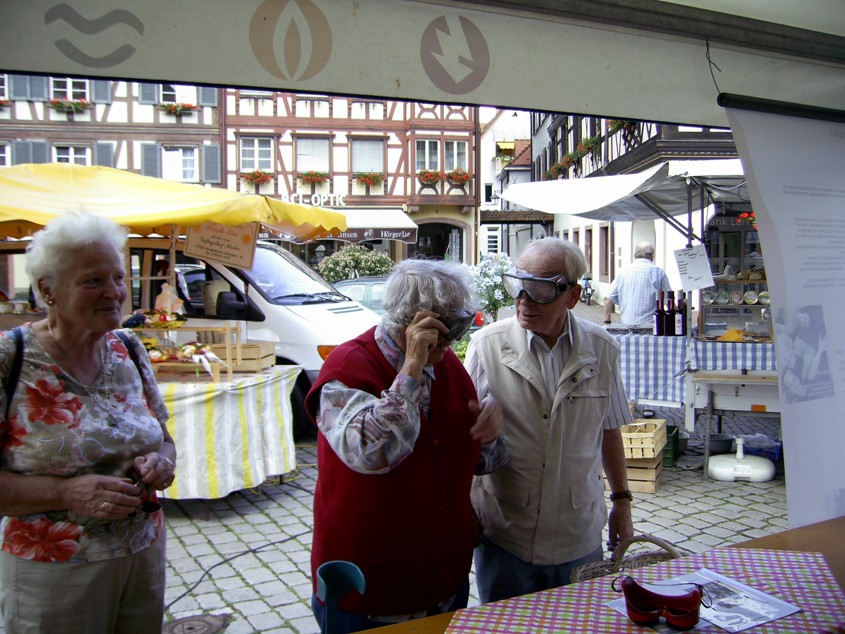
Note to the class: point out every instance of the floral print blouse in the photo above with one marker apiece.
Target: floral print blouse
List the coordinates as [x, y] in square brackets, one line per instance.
[59, 427]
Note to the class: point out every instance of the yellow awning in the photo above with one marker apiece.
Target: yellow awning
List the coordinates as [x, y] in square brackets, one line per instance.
[506, 145]
[33, 194]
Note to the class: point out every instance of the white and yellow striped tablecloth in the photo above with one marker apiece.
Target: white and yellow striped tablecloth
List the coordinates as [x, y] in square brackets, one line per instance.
[231, 435]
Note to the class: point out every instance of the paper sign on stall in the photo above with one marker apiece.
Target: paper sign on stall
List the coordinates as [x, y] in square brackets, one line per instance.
[694, 267]
[234, 246]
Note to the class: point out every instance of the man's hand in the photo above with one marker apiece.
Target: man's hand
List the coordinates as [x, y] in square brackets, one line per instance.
[488, 420]
[620, 526]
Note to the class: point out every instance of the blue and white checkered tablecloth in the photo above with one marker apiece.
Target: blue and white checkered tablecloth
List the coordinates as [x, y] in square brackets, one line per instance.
[726, 355]
[652, 367]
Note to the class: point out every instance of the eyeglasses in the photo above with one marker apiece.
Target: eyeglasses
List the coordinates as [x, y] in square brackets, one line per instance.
[541, 290]
[458, 324]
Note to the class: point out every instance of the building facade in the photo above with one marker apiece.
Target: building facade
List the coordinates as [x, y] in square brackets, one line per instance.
[405, 173]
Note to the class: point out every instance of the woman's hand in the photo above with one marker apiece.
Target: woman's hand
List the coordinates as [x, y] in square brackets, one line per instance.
[155, 470]
[488, 420]
[103, 497]
[421, 337]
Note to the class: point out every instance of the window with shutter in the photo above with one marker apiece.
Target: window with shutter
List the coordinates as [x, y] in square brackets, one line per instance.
[179, 163]
[211, 164]
[4, 155]
[69, 88]
[151, 159]
[104, 154]
[208, 96]
[147, 93]
[19, 87]
[4, 92]
[101, 91]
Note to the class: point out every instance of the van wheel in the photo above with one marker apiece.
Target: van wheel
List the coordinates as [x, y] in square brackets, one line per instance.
[304, 430]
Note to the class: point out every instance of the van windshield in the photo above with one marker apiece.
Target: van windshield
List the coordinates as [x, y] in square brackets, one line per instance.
[284, 279]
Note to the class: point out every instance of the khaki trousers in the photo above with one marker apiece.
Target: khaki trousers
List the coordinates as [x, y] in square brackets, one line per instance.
[123, 595]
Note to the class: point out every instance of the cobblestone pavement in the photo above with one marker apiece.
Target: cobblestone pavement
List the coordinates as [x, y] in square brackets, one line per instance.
[248, 554]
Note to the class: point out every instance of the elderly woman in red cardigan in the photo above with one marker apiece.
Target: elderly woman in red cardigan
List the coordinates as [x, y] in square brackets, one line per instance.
[401, 436]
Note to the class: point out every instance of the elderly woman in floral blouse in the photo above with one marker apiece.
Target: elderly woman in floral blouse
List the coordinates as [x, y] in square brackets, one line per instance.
[83, 448]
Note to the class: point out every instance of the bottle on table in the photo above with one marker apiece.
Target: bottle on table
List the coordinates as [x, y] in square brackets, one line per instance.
[669, 315]
[659, 317]
[681, 315]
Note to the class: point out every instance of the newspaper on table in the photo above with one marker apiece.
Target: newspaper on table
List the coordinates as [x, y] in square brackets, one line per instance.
[734, 606]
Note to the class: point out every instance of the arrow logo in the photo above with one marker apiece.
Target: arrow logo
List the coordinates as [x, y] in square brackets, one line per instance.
[454, 54]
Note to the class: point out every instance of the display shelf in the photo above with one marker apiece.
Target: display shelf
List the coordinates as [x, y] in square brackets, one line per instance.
[231, 348]
[722, 311]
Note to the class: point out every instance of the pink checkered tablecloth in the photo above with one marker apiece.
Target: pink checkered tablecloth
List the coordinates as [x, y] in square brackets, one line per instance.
[800, 578]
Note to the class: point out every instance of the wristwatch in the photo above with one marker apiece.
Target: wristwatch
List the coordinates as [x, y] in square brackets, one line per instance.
[621, 495]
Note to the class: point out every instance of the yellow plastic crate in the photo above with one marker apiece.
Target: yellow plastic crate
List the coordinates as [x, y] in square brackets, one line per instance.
[644, 438]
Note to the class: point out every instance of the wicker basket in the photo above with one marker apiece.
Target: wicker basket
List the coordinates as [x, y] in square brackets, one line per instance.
[619, 561]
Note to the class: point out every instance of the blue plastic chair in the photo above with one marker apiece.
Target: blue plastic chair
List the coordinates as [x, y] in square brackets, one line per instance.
[334, 580]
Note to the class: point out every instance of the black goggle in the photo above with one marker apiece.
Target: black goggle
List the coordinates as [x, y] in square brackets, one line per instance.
[458, 324]
[541, 290]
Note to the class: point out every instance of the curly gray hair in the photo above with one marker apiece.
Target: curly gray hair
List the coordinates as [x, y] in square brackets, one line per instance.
[52, 251]
[414, 285]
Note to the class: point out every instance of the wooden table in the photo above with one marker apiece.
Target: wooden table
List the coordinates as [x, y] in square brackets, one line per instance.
[824, 537]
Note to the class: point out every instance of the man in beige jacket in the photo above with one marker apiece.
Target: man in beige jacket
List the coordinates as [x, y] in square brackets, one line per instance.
[558, 382]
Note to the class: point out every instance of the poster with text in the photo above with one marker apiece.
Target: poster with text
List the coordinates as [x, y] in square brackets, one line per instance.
[795, 169]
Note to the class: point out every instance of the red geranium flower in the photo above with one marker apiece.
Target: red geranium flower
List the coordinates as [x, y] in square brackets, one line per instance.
[42, 540]
[48, 403]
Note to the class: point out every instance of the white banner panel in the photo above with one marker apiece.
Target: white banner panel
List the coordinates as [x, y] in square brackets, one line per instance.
[403, 49]
[795, 168]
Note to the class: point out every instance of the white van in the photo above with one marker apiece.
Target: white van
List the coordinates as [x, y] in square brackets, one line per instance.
[279, 299]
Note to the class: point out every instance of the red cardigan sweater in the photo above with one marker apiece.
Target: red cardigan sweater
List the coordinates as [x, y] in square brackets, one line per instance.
[411, 530]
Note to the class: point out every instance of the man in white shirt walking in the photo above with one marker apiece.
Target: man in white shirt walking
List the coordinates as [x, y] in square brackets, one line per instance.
[635, 287]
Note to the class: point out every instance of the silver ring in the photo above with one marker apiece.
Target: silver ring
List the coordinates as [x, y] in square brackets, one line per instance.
[102, 505]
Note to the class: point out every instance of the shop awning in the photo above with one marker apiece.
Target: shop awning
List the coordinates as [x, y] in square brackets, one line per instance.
[671, 188]
[390, 223]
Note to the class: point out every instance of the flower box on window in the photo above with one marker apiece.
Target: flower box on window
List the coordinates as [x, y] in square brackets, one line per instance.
[257, 177]
[429, 177]
[314, 178]
[70, 105]
[459, 176]
[4, 103]
[370, 179]
[178, 109]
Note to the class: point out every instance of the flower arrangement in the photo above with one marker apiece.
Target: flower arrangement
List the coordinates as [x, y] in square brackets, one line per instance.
[429, 177]
[4, 103]
[459, 176]
[177, 109]
[314, 178]
[748, 218]
[588, 145]
[488, 283]
[354, 261]
[70, 105]
[370, 179]
[257, 177]
[614, 125]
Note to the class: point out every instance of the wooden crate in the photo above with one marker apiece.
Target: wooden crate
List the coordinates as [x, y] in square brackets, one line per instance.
[255, 355]
[643, 474]
[644, 438]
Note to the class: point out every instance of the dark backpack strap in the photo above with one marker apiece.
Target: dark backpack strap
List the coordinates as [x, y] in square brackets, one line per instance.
[11, 381]
[131, 350]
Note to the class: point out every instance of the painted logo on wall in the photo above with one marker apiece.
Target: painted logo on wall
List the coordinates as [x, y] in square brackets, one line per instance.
[291, 39]
[454, 54]
[89, 29]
